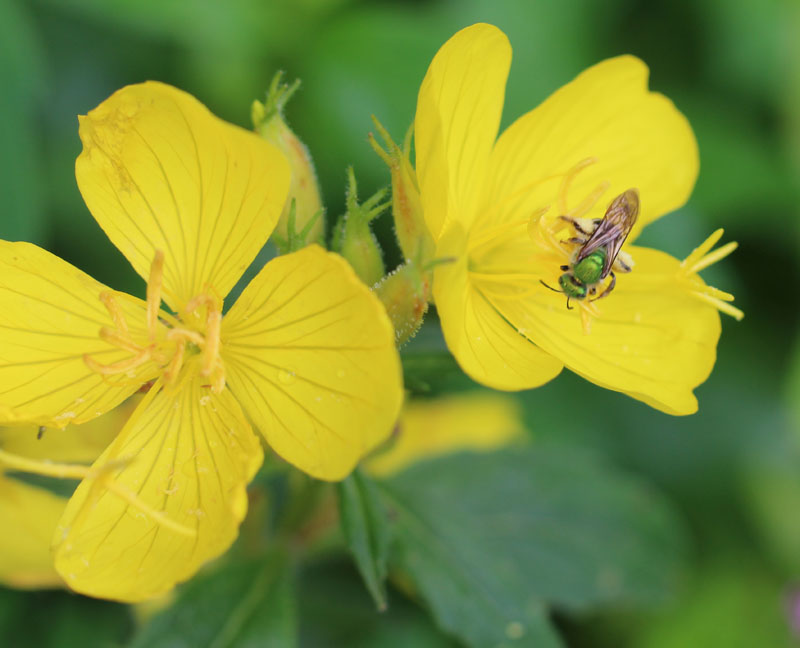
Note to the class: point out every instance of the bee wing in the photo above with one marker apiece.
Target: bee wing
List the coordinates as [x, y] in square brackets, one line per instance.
[613, 229]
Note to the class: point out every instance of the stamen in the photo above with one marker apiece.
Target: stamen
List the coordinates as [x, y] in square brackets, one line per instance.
[211, 349]
[699, 259]
[117, 316]
[569, 176]
[119, 339]
[119, 367]
[186, 334]
[723, 306]
[51, 469]
[171, 372]
[713, 257]
[154, 285]
[702, 249]
[587, 203]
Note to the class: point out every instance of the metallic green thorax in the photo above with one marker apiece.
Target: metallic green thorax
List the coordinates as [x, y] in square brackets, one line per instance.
[576, 283]
[590, 269]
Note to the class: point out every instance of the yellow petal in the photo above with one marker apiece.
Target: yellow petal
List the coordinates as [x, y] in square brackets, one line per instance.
[653, 340]
[159, 172]
[309, 352]
[638, 137]
[458, 114]
[479, 421]
[28, 516]
[486, 346]
[50, 317]
[73, 444]
[191, 454]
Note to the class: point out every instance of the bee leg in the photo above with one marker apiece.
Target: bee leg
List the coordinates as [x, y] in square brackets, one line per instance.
[564, 267]
[623, 262]
[575, 240]
[610, 286]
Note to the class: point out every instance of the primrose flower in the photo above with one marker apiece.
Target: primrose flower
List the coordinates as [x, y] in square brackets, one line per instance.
[494, 206]
[306, 353]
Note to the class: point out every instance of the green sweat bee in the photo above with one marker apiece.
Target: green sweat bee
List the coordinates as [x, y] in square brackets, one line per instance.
[598, 255]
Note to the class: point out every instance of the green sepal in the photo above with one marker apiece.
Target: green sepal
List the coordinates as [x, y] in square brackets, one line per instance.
[295, 240]
[353, 238]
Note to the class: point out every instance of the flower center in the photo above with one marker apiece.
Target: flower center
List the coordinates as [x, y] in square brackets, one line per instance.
[167, 344]
[557, 242]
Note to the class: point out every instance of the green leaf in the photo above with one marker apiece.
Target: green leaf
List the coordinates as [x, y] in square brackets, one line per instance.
[71, 621]
[246, 604]
[22, 80]
[336, 611]
[488, 540]
[365, 526]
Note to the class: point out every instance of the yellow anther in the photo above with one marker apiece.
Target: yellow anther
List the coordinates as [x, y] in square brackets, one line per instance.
[154, 285]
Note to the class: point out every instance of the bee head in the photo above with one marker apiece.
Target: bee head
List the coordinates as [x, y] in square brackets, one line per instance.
[572, 287]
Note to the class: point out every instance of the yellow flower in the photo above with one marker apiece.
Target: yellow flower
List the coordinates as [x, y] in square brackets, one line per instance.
[478, 421]
[306, 353]
[29, 514]
[493, 205]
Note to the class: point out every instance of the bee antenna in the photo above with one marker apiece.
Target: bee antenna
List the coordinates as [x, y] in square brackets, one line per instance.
[550, 287]
[568, 306]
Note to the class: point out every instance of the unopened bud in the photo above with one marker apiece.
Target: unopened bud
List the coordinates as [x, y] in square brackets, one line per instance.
[353, 238]
[269, 122]
[405, 294]
[412, 232]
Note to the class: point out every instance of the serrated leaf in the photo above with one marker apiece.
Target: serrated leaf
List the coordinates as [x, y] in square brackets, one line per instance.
[489, 540]
[246, 604]
[366, 529]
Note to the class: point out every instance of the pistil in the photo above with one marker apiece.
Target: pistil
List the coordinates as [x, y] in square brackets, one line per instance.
[699, 259]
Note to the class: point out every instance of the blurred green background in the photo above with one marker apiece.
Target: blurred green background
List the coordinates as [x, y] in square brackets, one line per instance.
[732, 66]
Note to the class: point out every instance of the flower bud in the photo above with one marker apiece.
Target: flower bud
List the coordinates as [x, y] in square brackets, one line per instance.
[352, 237]
[412, 232]
[304, 189]
[405, 294]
